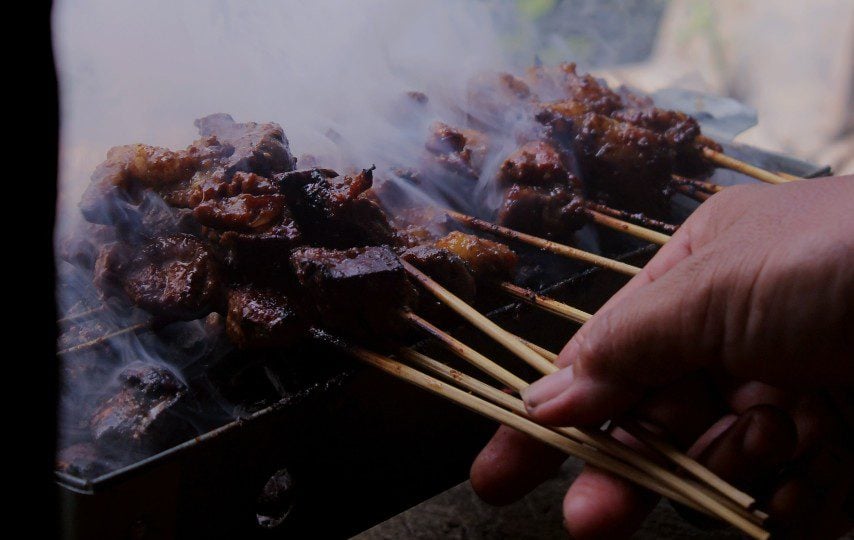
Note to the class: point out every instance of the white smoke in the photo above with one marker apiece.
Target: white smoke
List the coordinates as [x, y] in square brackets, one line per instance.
[135, 71]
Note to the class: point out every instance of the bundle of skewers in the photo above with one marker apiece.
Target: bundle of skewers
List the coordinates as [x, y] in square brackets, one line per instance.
[233, 227]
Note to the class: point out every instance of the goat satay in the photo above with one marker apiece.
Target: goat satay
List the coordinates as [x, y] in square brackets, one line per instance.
[260, 148]
[487, 260]
[623, 164]
[140, 414]
[260, 317]
[358, 291]
[554, 212]
[461, 151]
[563, 82]
[174, 277]
[444, 266]
[336, 212]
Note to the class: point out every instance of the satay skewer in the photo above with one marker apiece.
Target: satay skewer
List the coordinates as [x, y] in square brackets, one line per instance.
[552, 438]
[547, 245]
[592, 437]
[665, 227]
[629, 228]
[544, 302]
[81, 314]
[737, 165]
[103, 339]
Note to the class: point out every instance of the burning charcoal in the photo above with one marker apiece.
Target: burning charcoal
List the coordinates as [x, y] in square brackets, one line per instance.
[487, 260]
[358, 290]
[462, 151]
[536, 163]
[263, 318]
[141, 413]
[175, 277]
[336, 212]
[259, 148]
[554, 212]
[445, 267]
[81, 460]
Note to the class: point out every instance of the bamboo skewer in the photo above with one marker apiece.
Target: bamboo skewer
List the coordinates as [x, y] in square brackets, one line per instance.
[480, 321]
[104, 338]
[595, 438]
[692, 192]
[467, 353]
[668, 228]
[81, 314]
[788, 176]
[549, 304]
[547, 245]
[740, 166]
[550, 437]
[629, 228]
[711, 187]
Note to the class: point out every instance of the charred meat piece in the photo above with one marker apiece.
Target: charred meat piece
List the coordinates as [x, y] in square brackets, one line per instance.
[682, 133]
[140, 414]
[487, 260]
[419, 225]
[621, 163]
[358, 291]
[563, 82]
[259, 317]
[553, 212]
[336, 212]
[174, 278]
[462, 151]
[536, 163]
[119, 182]
[445, 267]
[243, 213]
[259, 148]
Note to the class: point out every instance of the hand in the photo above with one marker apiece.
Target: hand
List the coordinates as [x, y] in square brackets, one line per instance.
[737, 342]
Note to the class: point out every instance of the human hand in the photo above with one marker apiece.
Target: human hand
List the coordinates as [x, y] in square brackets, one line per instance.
[737, 342]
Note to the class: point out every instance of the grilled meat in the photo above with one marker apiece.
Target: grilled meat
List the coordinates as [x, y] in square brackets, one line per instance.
[553, 212]
[461, 151]
[447, 268]
[487, 260]
[258, 148]
[260, 317]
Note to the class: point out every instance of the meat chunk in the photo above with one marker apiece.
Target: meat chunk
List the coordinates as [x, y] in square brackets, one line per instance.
[140, 414]
[445, 267]
[358, 291]
[174, 278]
[117, 185]
[621, 163]
[259, 148]
[554, 212]
[487, 260]
[419, 225]
[536, 163]
[259, 317]
[563, 82]
[462, 151]
[336, 212]
[243, 213]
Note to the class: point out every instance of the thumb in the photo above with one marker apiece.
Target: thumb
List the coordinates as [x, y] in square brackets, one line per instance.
[654, 335]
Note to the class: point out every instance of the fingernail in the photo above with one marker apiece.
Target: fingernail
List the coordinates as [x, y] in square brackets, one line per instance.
[547, 388]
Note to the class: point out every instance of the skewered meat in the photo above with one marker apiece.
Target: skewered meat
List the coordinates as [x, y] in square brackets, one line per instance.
[564, 82]
[336, 212]
[445, 267]
[358, 291]
[263, 318]
[117, 185]
[175, 277]
[536, 163]
[420, 225]
[259, 148]
[621, 163]
[462, 151]
[553, 212]
[141, 413]
[487, 260]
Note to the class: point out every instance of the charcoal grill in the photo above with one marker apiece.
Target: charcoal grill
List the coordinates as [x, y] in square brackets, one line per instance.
[350, 447]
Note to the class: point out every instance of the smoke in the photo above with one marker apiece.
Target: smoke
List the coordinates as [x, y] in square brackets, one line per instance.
[327, 71]
[334, 74]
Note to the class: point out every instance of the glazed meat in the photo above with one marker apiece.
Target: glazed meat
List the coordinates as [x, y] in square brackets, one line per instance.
[174, 278]
[358, 291]
[445, 267]
[462, 151]
[117, 185]
[259, 148]
[621, 163]
[554, 212]
[536, 163]
[336, 212]
[259, 317]
[563, 82]
[487, 260]
[140, 414]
